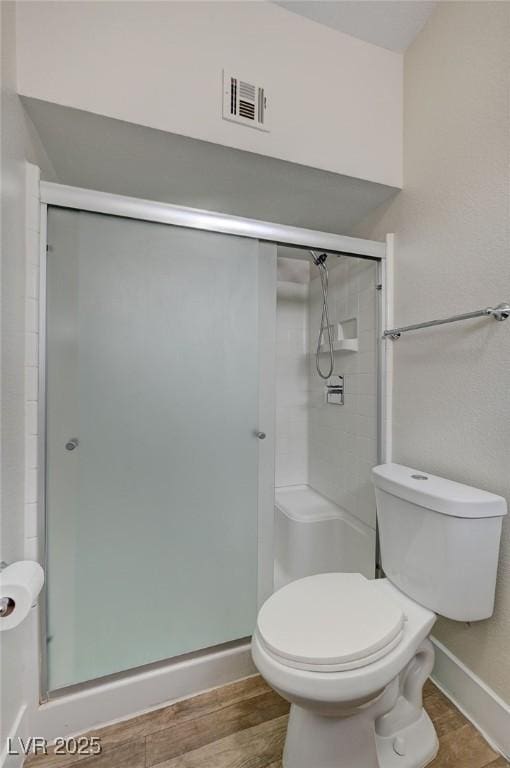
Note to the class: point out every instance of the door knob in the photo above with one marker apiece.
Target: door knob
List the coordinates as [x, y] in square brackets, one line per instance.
[260, 435]
[72, 444]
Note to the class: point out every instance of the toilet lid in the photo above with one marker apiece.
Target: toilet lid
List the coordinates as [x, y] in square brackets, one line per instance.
[334, 620]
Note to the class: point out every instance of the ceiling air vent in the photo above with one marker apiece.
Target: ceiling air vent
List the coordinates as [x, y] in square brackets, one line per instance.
[244, 102]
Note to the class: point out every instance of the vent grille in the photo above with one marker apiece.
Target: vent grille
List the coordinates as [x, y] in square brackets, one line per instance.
[233, 96]
[247, 109]
[261, 106]
[246, 90]
[244, 102]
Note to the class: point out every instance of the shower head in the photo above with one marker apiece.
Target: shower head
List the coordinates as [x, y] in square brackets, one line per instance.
[319, 258]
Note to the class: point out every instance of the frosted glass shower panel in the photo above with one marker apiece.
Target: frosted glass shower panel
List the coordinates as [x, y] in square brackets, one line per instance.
[152, 350]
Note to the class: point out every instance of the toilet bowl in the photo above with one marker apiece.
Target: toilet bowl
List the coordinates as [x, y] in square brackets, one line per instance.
[351, 655]
[346, 652]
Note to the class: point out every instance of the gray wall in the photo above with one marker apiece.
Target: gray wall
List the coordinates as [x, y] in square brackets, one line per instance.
[452, 385]
[181, 49]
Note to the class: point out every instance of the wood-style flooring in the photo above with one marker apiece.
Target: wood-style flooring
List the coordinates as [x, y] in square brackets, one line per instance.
[242, 725]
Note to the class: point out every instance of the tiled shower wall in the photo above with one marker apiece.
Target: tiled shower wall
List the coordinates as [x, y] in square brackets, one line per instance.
[32, 235]
[292, 382]
[343, 439]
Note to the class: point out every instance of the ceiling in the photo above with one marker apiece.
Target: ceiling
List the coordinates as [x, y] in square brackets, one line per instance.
[391, 24]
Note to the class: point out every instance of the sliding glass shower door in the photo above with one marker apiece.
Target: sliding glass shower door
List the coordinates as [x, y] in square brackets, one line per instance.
[152, 457]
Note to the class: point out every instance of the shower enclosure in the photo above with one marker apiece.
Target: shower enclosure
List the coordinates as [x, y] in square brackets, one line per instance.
[152, 415]
[157, 392]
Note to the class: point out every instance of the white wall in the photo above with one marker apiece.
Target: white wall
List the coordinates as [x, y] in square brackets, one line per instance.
[19, 143]
[335, 101]
[292, 372]
[343, 439]
[451, 386]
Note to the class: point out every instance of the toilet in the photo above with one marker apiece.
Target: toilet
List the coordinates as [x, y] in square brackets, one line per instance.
[351, 654]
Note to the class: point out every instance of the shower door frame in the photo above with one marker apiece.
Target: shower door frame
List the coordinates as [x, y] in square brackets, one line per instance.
[63, 196]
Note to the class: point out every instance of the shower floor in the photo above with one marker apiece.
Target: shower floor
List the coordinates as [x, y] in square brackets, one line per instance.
[243, 724]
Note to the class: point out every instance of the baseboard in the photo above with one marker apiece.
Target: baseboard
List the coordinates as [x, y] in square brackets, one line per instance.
[479, 703]
[12, 744]
[123, 698]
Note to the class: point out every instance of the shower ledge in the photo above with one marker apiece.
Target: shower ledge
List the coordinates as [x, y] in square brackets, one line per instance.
[344, 345]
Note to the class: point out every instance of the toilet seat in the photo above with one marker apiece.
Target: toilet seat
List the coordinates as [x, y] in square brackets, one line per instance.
[330, 622]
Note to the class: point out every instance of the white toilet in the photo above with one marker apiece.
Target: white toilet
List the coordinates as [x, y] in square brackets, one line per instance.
[352, 655]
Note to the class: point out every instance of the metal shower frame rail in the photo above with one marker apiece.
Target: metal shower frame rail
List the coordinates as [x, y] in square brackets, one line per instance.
[501, 312]
[210, 221]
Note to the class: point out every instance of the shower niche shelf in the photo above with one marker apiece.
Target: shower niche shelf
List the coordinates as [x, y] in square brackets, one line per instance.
[345, 337]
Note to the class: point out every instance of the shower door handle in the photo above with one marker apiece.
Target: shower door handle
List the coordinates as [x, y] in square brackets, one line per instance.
[260, 435]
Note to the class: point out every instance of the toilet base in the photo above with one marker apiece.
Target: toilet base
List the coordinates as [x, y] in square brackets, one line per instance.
[316, 741]
[418, 742]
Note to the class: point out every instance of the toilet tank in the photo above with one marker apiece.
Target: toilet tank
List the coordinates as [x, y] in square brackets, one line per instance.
[439, 540]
